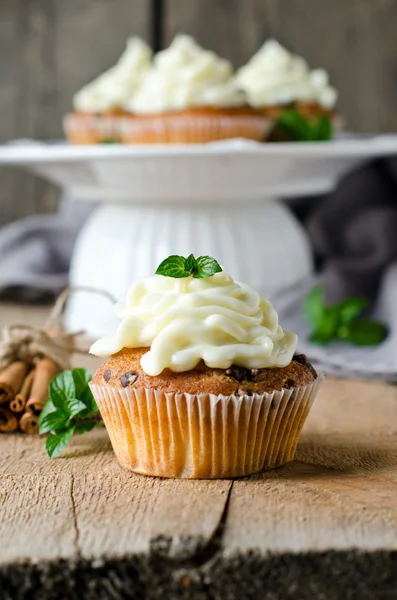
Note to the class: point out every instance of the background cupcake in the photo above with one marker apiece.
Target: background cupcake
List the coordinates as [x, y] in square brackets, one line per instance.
[98, 105]
[190, 95]
[282, 86]
[202, 381]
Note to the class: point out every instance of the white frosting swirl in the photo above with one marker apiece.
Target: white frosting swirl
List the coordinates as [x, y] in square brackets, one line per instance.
[114, 88]
[185, 75]
[185, 320]
[274, 76]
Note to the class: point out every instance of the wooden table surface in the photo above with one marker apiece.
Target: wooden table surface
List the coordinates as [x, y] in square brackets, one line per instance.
[324, 526]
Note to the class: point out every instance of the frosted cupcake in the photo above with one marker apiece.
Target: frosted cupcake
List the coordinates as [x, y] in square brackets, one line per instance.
[190, 96]
[99, 105]
[275, 80]
[202, 381]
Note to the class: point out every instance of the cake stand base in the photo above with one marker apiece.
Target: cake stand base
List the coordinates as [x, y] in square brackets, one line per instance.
[259, 242]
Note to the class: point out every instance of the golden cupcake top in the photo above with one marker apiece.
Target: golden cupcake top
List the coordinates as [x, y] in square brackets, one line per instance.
[192, 310]
[186, 75]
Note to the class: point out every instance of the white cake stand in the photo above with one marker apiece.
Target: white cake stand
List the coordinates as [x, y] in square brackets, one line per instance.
[220, 199]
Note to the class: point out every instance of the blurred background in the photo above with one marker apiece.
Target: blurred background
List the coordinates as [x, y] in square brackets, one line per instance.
[50, 48]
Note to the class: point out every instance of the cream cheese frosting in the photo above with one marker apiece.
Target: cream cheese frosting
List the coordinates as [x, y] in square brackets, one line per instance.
[186, 320]
[117, 86]
[275, 76]
[184, 76]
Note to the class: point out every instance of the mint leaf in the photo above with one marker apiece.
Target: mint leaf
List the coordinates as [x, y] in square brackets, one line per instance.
[61, 389]
[322, 129]
[206, 266]
[199, 268]
[314, 306]
[190, 264]
[48, 408]
[81, 378]
[70, 408]
[89, 402]
[51, 422]
[351, 308]
[173, 266]
[75, 406]
[341, 322]
[56, 443]
[304, 129]
[367, 333]
[83, 426]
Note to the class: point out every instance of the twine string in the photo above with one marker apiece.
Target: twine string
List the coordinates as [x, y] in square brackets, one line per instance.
[29, 344]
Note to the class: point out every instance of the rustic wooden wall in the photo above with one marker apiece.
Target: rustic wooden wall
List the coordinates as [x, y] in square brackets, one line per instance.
[49, 48]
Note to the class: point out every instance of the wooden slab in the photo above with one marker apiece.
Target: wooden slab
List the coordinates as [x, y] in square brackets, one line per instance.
[322, 527]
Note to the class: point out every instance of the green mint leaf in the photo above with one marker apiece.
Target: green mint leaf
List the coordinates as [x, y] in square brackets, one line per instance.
[56, 443]
[191, 264]
[81, 378]
[314, 306]
[88, 399]
[366, 333]
[75, 406]
[173, 266]
[351, 308]
[52, 422]
[327, 327]
[295, 125]
[177, 267]
[304, 129]
[108, 141]
[61, 389]
[322, 129]
[206, 266]
[87, 425]
[47, 409]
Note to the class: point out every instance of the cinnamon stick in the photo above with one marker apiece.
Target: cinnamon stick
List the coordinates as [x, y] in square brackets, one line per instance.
[11, 380]
[18, 404]
[29, 423]
[8, 421]
[45, 371]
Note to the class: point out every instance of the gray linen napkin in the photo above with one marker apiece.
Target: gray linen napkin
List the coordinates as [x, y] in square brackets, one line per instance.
[35, 252]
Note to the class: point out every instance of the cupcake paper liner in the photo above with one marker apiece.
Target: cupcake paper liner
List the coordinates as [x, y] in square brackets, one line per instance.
[203, 436]
[91, 129]
[193, 129]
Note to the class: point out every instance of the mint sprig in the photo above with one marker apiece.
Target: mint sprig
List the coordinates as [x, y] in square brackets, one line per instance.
[177, 266]
[302, 129]
[341, 322]
[70, 409]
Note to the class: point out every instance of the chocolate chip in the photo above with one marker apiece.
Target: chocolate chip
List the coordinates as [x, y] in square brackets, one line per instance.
[254, 374]
[243, 392]
[300, 358]
[289, 384]
[107, 375]
[238, 373]
[242, 374]
[129, 378]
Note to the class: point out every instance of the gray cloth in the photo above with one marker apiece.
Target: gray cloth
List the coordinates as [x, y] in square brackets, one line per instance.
[35, 252]
[354, 231]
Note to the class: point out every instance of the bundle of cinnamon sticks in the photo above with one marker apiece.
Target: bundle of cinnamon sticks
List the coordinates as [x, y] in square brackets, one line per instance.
[23, 393]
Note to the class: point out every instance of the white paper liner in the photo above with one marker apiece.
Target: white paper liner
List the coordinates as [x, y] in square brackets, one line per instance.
[195, 129]
[203, 436]
[91, 128]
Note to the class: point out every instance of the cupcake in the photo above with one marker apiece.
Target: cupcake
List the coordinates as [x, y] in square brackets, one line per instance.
[275, 80]
[202, 381]
[99, 105]
[190, 96]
